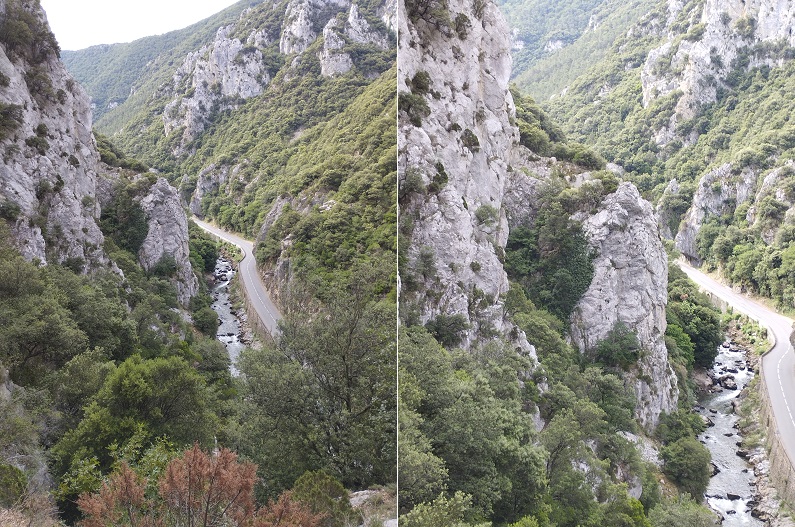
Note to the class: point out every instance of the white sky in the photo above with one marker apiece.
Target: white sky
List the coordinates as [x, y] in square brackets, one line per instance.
[78, 24]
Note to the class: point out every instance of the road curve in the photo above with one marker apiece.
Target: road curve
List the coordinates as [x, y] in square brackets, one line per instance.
[247, 269]
[778, 365]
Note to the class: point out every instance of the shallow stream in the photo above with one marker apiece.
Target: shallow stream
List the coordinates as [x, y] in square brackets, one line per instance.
[229, 330]
[730, 492]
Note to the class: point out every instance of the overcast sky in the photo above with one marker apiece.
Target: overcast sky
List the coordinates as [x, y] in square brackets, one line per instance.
[78, 24]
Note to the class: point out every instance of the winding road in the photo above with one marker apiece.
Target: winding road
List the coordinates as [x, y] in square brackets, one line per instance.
[255, 290]
[778, 364]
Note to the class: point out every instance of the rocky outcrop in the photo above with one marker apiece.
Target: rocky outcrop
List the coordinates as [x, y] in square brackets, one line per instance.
[333, 59]
[630, 285]
[49, 168]
[168, 237]
[388, 14]
[719, 192]
[459, 155]
[717, 34]
[773, 199]
[301, 20]
[209, 181]
[215, 77]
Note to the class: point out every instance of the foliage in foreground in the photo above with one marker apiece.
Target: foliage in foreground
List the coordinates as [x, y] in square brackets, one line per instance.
[196, 488]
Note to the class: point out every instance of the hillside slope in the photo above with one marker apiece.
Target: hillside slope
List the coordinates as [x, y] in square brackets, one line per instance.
[556, 42]
[692, 103]
[112, 73]
[267, 114]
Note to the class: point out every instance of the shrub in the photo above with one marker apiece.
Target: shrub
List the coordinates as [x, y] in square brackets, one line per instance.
[410, 184]
[487, 215]
[325, 495]
[206, 321]
[439, 180]
[620, 348]
[38, 143]
[746, 27]
[10, 119]
[9, 210]
[414, 106]
[12, 485]
[678, 425]
[421, 83]
[166, 267]
[687, 464]
[470, 140]
[447, 329]
[462, 25]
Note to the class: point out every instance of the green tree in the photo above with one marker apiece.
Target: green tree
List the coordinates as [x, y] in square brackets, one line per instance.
[620, 347]
[124, 220]
[422, 474]
[686, 462]
[680, 512]
[206, 320]
[451, 512]
[325, 394]
[326, 496]
[139, 401]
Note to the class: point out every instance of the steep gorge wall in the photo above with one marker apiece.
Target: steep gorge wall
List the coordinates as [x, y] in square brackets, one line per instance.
[469, 181]
[630, 286]
[48, 176]
[460, 226]
[53, 184]
[701, 60]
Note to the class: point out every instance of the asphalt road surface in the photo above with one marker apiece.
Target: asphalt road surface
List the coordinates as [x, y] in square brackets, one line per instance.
[247, 270]
[778, 365]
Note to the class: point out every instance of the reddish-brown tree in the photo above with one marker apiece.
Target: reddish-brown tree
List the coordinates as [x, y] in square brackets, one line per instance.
[286, 512]
[196, 490]
[120, 501]
[206, 491]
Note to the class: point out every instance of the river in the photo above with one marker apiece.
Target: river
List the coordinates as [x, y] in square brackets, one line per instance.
[730, 491]
[229, 330]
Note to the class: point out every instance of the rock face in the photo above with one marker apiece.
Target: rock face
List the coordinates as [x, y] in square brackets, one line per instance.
[333, 59]
[300, 23]
[168, 236]
[215, 78]
[696, 64]
[49, 169]
[210, 180]
[773, 190]
[719, 192]
[630, 285]
[459, 154]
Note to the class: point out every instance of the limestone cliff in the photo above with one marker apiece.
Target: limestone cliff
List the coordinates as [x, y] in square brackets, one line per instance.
[466, 181]
[697, 63]
[168, 237]
[49, 169]
[215, 78]
[719, 192]
[455, 138]
[630, 285]
[53, 185]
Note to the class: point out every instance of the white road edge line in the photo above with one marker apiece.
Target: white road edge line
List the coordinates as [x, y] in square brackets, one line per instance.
[783, 393]
[247, 254]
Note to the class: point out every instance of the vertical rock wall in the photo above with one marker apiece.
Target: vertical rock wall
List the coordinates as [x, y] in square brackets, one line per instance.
[630, 285]
[459, 155]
